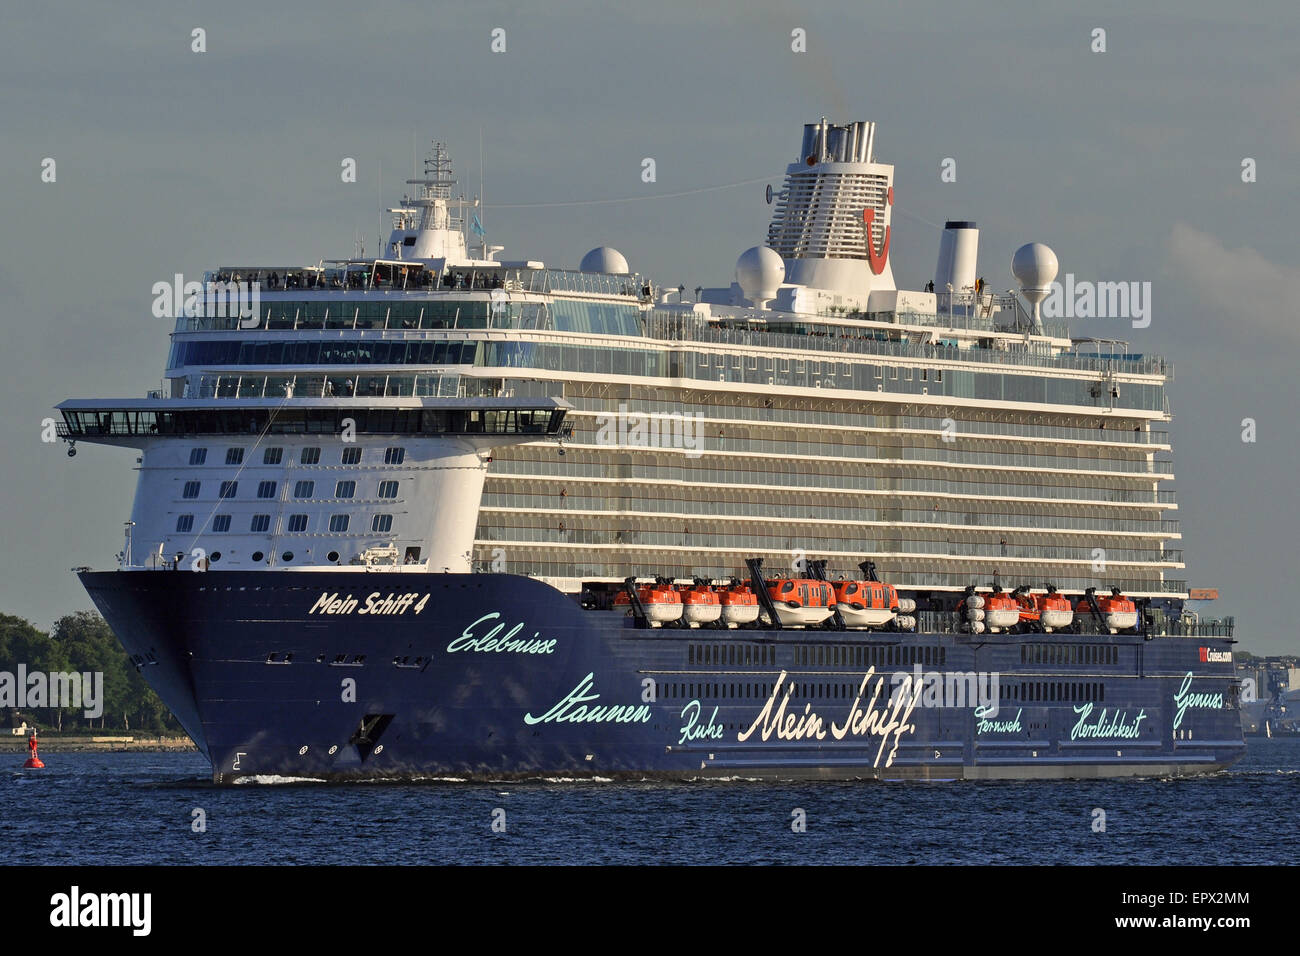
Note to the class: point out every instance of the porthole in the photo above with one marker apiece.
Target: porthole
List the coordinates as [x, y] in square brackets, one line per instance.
[257, 555]
[332, 556]
[287, 556]
[214, 557]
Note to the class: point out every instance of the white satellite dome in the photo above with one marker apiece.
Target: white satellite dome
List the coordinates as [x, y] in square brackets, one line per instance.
[604, 259]
[759, 273]
[1034, 266]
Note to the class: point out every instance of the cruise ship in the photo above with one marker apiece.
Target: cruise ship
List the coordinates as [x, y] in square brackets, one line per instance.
[441, 513]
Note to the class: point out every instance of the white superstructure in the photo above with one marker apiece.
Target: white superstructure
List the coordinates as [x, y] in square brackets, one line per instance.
[810, 408]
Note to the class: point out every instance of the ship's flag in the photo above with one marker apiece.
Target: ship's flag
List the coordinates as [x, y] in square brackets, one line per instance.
[477, 226]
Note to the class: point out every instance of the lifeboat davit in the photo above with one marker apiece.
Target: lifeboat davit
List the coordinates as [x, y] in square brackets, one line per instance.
[1118, 612]
[739, 605]
[1029, 613]
[661, 603]
[1001, 610]
[802, 602]
[866, 603]
[700, 604]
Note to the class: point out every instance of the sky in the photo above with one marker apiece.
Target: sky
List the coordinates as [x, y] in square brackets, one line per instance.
[1127, 162]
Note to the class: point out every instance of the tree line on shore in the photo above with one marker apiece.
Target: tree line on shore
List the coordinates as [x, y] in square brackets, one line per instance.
[81, 643]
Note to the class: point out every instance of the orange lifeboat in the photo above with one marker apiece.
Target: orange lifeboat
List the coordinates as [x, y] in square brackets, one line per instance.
[1001, 610]
[866, 603]
[802, 602]
[700, 604]
[662, 604]
[1119, 613]
[739, 605]
[1054, 610]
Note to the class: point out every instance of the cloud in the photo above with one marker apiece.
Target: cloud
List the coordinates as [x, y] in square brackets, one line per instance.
[1246, 288]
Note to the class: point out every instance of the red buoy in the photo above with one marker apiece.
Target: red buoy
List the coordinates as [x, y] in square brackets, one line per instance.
[34, 762]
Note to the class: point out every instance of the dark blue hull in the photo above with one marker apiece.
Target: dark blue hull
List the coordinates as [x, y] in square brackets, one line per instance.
[346, 674]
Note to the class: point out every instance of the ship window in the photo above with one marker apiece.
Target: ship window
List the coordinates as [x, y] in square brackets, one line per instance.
[234, 456]
[185, 522]
[938, 375]
[198, 456]
[260, 524]
[229, 488]
[287, 556]
[345, 489]
[332, 556]
[394, 456]
[304, 489]
[221, 523]
[382, 523]
[257, 556]
[351, 456]
[266, 489]
[893, 372]
[310, 456]
[297, 524]
[191, 489]
[388, 489]
[272, 456]
[338, 523]
[925, 374]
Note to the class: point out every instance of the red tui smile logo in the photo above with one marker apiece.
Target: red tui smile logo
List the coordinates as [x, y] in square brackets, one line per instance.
[877, 262]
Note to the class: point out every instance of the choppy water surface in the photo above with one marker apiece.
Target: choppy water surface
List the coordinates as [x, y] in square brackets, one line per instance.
[139, 809]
